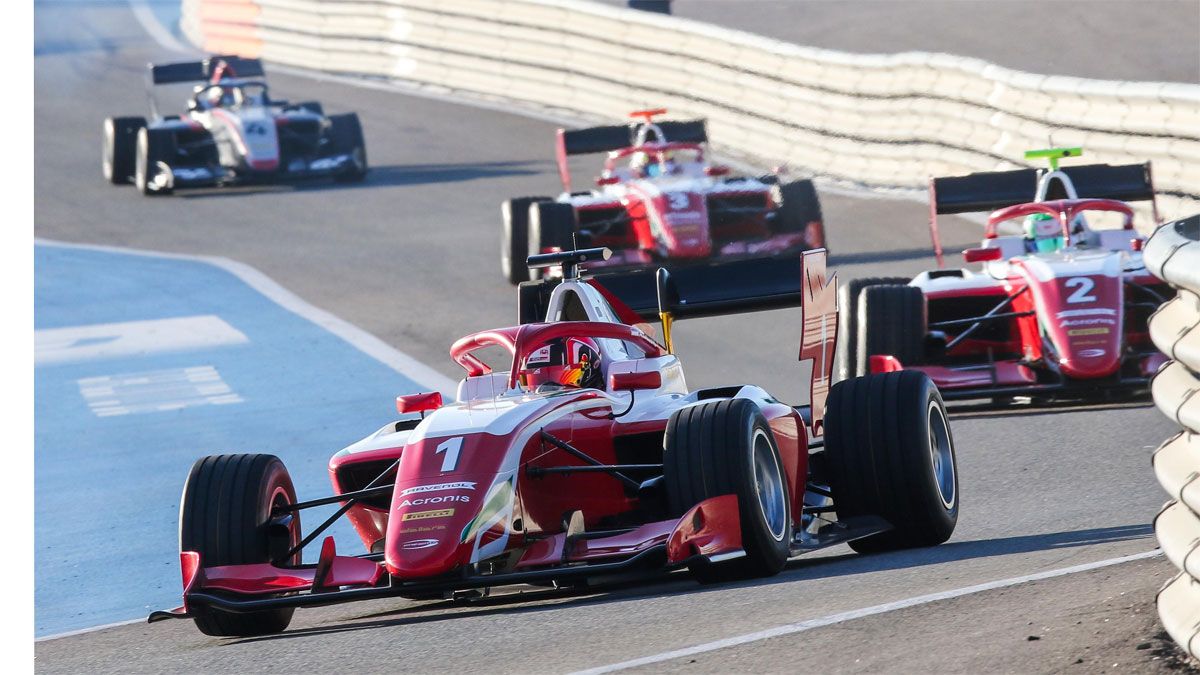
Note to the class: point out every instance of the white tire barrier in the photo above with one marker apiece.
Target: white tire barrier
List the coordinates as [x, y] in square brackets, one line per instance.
[883, 121]
[1173, 254]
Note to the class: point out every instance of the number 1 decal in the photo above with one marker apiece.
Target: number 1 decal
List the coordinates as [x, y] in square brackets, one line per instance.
[1083, 290]
[451, 448]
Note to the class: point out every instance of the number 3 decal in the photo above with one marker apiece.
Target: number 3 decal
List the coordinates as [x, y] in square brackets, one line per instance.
[451, 448]
[1083, 288]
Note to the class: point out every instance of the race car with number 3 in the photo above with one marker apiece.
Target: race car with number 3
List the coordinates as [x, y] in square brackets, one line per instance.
[658, 201]
[232, 132]
[1058, 310]
[584, 456]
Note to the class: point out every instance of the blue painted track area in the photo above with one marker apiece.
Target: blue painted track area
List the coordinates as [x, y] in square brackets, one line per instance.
[144, 364]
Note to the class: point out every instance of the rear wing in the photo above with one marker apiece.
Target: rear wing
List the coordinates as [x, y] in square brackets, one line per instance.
[203, 71]
[724, 288]
[993, 190]
[593, 140]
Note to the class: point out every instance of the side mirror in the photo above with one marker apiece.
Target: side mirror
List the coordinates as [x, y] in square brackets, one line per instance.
[635, 381]
[974, 255]
[607, 180]
[418, 403]
[716, 170]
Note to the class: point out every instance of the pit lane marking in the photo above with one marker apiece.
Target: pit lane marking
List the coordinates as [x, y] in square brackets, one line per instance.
[156, 391]
[842, 617]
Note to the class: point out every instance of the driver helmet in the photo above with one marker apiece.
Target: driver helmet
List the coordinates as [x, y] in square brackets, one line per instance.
[220, 97]
[1043, 234]
[639, 163]
[566, 362]
[666, 167]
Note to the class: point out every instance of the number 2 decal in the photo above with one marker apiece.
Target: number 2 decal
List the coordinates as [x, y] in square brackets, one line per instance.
[1083, 290]
[451, 448]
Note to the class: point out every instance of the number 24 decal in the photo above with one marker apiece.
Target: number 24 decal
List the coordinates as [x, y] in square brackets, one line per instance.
[451, 447]
[1083, 290]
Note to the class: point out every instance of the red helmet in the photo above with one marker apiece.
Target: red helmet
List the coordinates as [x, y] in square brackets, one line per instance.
[570, 362]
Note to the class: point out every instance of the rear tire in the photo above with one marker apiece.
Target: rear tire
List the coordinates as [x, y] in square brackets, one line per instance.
[891, 320]
[800, 211]
[223, 516]
[848, 296]
[346, 138]
[154, 146]
[890, 453]
[514, 240]
[311, 106]
[551, 225]
[725, 447]
[119, 157]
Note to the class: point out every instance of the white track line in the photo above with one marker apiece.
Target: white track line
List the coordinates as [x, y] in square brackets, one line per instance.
[851, 615]
[370, 345]
[155, 28]
[93, 629]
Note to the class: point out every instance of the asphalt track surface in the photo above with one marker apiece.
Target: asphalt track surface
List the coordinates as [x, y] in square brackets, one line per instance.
[411, 256]
[1152, 40]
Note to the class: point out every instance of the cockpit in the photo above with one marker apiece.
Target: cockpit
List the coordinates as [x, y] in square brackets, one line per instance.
[231, 96]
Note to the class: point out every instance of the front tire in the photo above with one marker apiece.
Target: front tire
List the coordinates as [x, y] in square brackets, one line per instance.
[551, 225]
[119, 151]
[848, 296]
[154, 146]
[346, 136]
[800, 211]
[726, 447]
[892, 320]
[224, 515]
[514, 243]
[891, 454]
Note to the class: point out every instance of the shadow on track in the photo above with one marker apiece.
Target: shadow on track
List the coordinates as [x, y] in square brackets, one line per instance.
[379, 176]
[668, 584]
[957, 551]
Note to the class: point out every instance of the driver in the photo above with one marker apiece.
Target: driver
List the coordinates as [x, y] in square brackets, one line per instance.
[219, 97]
[644, 164]
[1043, 234]
[564, 362]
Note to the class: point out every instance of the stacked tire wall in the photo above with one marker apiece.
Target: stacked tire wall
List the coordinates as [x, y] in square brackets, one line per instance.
[879, 121]
[1173, 254]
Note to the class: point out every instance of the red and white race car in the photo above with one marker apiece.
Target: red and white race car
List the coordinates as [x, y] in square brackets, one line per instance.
[584, 456]
[659, 201]
[1058, 309]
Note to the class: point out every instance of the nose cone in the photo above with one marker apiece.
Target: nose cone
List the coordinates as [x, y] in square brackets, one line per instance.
[424, 535]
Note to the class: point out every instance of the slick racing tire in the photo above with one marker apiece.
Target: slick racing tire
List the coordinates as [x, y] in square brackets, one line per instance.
[224, 516]
[551, 225]
[346, 138]
[848, 295]
[120, 148]
[891, 320]
[890, 454]
[800, 211]
[725, 447]
[514, 240]
[153, 146]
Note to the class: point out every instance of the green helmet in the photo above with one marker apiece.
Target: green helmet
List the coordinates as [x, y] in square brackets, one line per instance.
[1044, 232]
